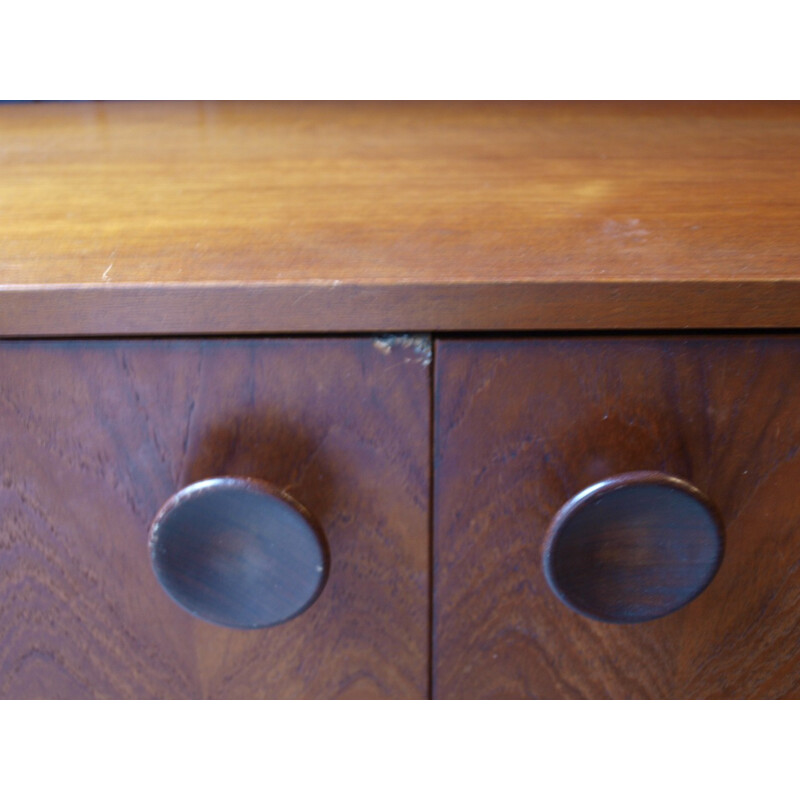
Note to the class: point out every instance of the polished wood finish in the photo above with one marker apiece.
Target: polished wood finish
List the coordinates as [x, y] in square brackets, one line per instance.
[233, 218]
[523, 425]
[238, 552]
[633, 548]
[96, 436]
[285, 217]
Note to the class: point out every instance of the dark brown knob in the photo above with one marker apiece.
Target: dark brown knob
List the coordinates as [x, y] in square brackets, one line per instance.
[634, 547]
[238, 552]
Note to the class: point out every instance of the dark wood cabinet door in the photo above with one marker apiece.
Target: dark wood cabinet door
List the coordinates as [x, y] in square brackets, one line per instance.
[522, 426]
[96, 435]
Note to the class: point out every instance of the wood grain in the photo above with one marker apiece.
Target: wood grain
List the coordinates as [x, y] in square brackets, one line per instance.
[279, 217]
[523, 425]
[95, 436]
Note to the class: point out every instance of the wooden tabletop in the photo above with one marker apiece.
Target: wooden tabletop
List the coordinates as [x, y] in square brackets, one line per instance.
[155, 218]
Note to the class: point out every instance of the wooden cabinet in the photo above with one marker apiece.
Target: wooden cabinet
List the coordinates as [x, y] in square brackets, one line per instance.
[96, 435]
[424, 321]
[524, 425]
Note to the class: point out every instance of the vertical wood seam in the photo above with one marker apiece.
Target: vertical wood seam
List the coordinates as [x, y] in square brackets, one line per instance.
[432, 519]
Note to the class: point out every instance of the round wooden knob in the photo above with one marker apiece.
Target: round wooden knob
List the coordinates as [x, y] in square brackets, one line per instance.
[238, 552]
[633, 548]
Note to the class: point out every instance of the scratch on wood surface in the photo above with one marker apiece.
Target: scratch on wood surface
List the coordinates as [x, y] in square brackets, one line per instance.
[626, 229]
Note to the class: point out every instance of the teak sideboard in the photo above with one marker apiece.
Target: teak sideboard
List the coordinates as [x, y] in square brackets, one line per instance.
[533, 369]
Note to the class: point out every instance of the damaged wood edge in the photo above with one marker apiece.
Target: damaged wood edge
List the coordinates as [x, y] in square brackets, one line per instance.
[421, 346]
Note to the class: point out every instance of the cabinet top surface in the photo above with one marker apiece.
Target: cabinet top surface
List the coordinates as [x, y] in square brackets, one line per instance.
[402, 204]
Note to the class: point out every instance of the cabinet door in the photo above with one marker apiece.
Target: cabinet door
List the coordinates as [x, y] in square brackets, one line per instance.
[95, 436]
[522, 426]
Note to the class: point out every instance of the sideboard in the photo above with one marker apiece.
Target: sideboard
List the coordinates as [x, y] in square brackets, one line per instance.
[534, 369]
